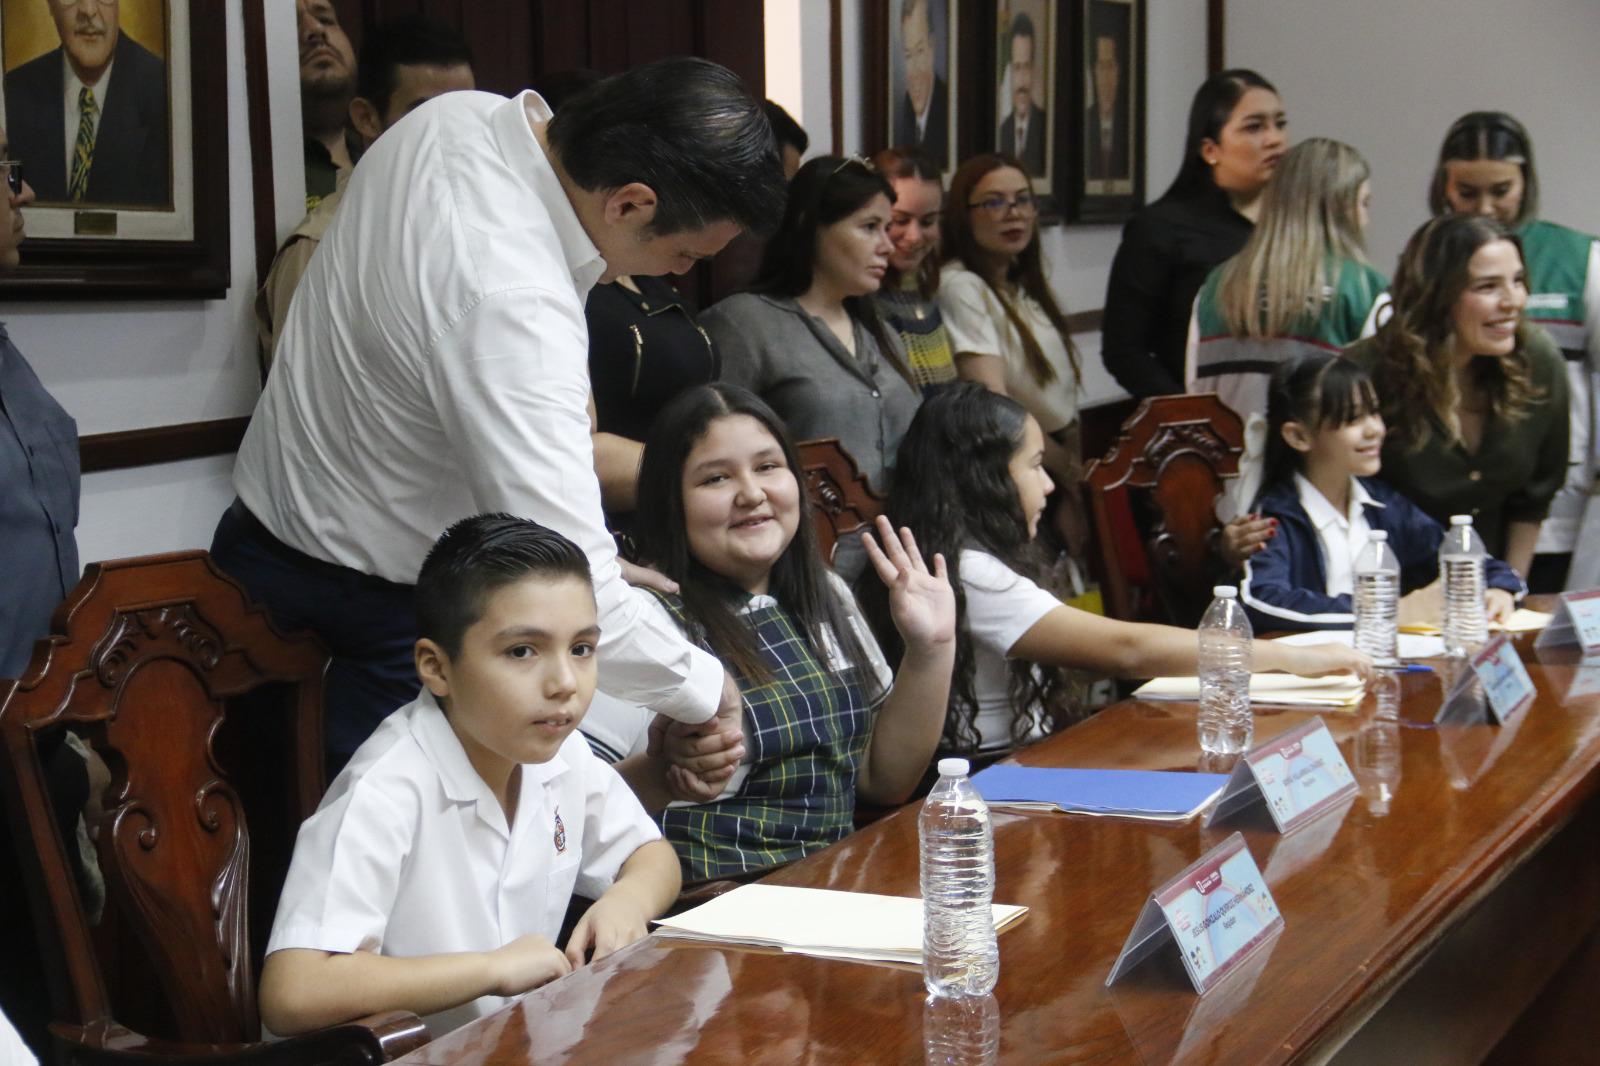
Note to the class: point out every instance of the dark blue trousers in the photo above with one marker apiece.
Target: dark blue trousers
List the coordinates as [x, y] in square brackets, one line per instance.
[368, 624]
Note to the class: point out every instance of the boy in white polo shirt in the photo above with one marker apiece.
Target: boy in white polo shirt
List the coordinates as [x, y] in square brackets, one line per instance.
[435, 874]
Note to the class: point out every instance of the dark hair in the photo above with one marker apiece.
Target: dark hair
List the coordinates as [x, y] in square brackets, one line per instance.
[1213, 105]
[559, 86]
[913, 162]
[407, 41]
[1022, 26]
[799, 579]
[952, 486]
[685, 127]
[1413, 371]
[478, 556]
[957, 241]
[1321, 389]
[1487, 135]
[825, 190]
[785, 130]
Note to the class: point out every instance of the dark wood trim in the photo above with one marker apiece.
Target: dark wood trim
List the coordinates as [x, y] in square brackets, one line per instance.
[836, 73]
[160, 444]
[1216, 36]
[1085, 321]
[220, 436]
[258, 100]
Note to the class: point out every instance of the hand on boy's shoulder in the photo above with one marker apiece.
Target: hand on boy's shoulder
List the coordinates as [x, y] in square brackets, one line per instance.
[527, 962]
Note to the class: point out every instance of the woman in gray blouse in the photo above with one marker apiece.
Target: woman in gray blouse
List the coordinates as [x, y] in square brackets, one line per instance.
[808, 340]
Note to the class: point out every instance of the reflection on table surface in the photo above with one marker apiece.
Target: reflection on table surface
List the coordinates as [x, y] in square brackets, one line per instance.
[1443, 813]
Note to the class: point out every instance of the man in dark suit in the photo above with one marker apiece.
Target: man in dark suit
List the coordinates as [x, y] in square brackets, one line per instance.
[923, 117]
[1105, 123]
[1023, 136]
[116, 94]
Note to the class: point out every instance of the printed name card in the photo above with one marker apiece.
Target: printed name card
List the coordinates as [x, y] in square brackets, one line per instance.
[1218, 912]
[1300, 774]
[1577, 621]
[1506, 686]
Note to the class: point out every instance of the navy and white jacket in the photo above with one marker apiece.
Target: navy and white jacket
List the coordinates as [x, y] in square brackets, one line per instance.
[1284, 583]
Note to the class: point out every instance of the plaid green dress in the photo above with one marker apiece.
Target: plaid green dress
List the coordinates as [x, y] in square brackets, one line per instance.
[805, 731]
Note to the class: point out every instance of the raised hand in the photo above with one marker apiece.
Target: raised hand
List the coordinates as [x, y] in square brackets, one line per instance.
[922, 604]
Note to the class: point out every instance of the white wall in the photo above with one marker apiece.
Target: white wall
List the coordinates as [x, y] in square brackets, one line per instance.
[131, 365]
[1388, 77]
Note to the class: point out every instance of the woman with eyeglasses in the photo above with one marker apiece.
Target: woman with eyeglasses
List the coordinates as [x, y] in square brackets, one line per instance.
[809, 340]
[1486, 168]
[1007, 329]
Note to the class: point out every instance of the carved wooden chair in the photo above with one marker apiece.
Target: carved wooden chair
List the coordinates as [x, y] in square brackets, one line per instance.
[163, 668]
[1176, 453]
[842, 503]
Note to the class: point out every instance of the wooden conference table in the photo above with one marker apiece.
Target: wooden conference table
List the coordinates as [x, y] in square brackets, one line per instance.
[1422, 917]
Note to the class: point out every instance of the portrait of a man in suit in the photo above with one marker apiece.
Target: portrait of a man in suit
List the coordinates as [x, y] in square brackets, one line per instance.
[922, 116]
[90, 117]
[1106, 119]
[1022, 131]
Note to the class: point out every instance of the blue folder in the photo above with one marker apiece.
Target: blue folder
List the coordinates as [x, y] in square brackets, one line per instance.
[1166, 795]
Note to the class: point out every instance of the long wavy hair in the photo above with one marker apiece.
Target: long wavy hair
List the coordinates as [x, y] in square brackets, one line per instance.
[1415, 347]
[1492, 135]
[906, 163]
[952, 486]
[799, 579]
[825, 190]
[1026, 271]
[1210, 110]
[1310, 223]
[1320, 390]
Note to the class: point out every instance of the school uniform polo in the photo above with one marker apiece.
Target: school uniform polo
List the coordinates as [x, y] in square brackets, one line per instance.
[410, 853]
[1002, 605]
[1239, 369]
[1341, 536]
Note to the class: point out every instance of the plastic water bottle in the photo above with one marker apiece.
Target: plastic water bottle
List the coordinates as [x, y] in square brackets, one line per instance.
[1225, 723]
[1461, 568]
[961, 1031]
[1377, 599]
[960, 955]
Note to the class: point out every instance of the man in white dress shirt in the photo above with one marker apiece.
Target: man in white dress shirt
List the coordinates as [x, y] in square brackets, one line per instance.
[434, 365]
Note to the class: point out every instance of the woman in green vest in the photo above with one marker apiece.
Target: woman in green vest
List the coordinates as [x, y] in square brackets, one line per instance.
[1486, 168]
[1301, 284]
[1474, 394]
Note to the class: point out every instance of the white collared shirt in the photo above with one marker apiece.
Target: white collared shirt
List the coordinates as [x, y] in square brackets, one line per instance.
[434, 365]
[71, 86]
[1340, 536]
[410, 853]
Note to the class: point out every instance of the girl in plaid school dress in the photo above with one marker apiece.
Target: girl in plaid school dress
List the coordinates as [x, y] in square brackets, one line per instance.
[723, 513]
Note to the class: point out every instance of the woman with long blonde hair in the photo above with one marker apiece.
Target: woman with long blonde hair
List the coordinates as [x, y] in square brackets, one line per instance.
[1474, 394]
[1301, 284]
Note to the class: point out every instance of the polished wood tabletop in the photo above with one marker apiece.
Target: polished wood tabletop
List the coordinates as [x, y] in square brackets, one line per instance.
[1444, 814]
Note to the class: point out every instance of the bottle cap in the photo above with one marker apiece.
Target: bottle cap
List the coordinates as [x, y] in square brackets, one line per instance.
[953, 767]
[1378, 535]
[1225, 592]
[1461, 520]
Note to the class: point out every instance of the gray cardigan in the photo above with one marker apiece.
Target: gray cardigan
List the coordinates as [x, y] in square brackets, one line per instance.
[794, 362]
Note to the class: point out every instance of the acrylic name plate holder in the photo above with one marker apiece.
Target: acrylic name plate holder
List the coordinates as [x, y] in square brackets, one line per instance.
[1218, 912]
[1494, 677]
[1300, 774]
[1577, 621]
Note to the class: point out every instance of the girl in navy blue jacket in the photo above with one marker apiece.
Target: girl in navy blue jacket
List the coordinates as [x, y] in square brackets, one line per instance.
[1324, 439]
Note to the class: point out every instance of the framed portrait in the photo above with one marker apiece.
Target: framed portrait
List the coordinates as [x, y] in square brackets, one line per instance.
[123, 137]
[1025, 87]
[921, 61]
[1106, 157]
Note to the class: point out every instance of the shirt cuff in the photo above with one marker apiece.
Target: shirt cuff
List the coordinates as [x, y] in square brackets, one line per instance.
[696, 701]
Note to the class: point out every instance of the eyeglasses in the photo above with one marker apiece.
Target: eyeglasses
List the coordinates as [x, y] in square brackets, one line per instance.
[999, 206]
[13, 170]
